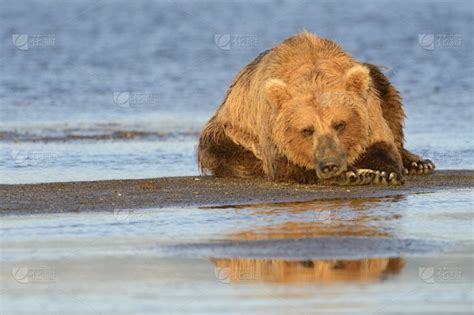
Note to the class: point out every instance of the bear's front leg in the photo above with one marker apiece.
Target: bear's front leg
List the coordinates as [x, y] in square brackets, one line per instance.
[414, 165]
[384, 159]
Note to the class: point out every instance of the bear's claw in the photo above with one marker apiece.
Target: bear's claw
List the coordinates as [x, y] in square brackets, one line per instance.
[421, 167]
[388, 178]
[359, 177]
[368, 176]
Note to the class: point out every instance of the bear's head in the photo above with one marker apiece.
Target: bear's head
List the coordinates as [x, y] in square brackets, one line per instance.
[322, 124]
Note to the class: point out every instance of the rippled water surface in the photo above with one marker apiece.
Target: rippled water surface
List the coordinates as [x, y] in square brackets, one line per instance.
[375, 255]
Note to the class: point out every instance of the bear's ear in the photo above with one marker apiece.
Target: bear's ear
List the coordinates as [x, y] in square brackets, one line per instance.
[277, 92]
[357, 79]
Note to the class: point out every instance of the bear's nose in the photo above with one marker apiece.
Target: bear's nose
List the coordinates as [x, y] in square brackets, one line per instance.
[329, 167]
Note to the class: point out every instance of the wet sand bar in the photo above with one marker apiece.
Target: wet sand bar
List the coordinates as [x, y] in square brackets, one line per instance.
[201, 191]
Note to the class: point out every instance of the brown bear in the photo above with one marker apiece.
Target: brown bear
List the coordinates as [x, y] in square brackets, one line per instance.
[306, 111]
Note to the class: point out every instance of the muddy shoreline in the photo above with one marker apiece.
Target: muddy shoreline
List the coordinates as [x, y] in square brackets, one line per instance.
[200, 191]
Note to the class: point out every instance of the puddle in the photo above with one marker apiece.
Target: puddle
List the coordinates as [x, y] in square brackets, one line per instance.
[374, 255]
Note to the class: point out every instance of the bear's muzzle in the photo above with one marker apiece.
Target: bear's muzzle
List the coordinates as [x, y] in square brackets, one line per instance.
[329, 157]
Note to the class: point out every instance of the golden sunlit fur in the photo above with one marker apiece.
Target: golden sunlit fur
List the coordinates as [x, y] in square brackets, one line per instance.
[312, 271]
[304, 83]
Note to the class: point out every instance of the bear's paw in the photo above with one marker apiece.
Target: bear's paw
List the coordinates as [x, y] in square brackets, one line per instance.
[421, 167]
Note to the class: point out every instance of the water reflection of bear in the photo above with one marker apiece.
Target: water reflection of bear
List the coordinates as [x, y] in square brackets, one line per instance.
[351, 217]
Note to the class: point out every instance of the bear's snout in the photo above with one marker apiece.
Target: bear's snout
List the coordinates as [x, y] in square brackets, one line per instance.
[329, 159]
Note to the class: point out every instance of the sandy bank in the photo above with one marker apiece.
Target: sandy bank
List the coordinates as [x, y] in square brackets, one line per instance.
[201, 191]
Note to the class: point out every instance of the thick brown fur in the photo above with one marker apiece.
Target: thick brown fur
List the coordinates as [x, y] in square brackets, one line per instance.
[305, 84]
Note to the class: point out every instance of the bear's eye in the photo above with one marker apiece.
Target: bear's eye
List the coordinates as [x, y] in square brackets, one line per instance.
[339, 126]
[307, 132]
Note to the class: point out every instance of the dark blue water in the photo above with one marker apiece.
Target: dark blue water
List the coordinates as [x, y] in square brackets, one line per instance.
[76, 76]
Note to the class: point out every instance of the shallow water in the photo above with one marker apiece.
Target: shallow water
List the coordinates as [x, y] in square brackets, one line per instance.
[104, 91]
[374, 255]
